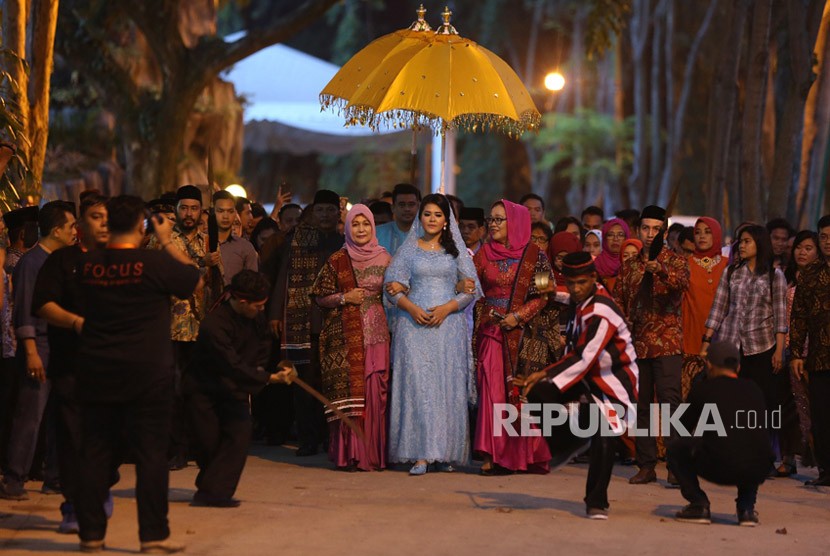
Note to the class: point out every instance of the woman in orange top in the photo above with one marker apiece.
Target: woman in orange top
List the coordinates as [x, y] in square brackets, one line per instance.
[706, 266]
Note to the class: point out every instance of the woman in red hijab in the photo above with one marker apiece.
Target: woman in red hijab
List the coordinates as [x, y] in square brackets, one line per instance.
[504, 319]
[706, 266]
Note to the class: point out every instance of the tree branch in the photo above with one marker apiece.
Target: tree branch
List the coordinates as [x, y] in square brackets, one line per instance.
[212, 55]
[88, 37]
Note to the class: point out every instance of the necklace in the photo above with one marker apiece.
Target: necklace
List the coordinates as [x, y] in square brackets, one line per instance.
[430, 246]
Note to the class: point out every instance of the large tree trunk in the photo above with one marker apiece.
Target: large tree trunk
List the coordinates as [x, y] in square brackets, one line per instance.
[802, 28]
[735, 203]
[816, 127]
[639, 36]
[752, 175]
[45, 18]
[722, 104]
[152, 165]
[15, 21]
[668, 186]
[656, 115]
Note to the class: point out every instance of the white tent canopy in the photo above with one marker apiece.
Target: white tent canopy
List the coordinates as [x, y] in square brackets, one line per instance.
[282, 87]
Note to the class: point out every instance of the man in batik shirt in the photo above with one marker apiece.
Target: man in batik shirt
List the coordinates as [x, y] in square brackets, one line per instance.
[654, 317]
[187, 314]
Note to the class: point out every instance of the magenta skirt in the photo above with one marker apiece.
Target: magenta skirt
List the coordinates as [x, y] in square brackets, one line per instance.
[345, 448]
[516, 453]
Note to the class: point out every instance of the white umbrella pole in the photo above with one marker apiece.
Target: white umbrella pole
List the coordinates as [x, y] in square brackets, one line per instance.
[437, 168]
[443, 175]
[443, 163]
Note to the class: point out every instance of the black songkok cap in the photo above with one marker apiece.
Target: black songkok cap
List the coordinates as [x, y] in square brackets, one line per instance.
[472, 213]
[161, 205]
[17, 218]
[654, 212]
[189, 192]
[578, 264]
[327, 197]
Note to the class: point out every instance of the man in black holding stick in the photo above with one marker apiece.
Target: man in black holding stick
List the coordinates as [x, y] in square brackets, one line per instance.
[231, 354]
[125, 369]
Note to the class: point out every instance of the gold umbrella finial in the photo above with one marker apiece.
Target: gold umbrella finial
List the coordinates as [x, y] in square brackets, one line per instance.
[446, 28]
[420, 24]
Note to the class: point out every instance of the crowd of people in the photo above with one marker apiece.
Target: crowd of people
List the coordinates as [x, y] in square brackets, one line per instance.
[164, 332]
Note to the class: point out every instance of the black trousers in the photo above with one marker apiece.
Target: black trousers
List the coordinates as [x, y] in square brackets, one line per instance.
[273, 407]
[69, 432]
[179, 431]
[601, 455]
[687, 466]
[663, 376]
[146, 421]
[758, 368]
[311, 421]
[221, 423]
[8, 400]
[789, 437]
[820, 417]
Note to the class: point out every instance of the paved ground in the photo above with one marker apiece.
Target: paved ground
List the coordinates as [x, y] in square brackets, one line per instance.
[301, 506]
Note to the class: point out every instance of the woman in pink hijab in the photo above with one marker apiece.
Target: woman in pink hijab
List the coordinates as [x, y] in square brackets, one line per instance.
[504, 319]
[354, 343]
[614, 233]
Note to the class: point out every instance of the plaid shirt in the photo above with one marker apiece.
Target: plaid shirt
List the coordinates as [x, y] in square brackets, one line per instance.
[745, 313]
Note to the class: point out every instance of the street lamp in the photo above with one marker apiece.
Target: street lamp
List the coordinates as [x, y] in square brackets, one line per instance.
[237, 190]
[554, 81]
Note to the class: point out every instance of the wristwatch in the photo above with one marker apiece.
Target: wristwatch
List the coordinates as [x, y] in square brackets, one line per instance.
[342, 299]
[707, 339]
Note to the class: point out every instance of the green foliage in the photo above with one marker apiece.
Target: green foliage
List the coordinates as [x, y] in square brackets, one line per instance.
[361, 175]
[17, 176]
[606, 19]
[585, 145]
[480, 157]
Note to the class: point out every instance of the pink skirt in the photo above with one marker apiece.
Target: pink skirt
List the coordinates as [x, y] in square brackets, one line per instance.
[345, 448]
[516, 453]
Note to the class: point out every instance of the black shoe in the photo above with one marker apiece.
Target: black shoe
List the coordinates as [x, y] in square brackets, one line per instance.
[52, 487]
[747, 518]
[785, 470]
[672, 480]
[822, 480]
[694, 514]
[13, 490]
[177, 463]
[204, 500]
[643, 476]
[305, 451]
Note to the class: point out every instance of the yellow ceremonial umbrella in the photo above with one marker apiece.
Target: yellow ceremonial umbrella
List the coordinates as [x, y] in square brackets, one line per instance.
[446, 82]
[356, 75]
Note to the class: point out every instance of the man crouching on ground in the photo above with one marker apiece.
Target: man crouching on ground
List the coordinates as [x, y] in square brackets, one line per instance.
[231, 352]
[738, 454]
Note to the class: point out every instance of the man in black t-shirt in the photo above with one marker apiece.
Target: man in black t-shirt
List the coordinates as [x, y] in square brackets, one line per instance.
[58, 300]
[741, 456]
[125, 368]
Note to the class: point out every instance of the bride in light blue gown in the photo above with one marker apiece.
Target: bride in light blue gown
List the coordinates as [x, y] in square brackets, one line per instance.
[433, 375]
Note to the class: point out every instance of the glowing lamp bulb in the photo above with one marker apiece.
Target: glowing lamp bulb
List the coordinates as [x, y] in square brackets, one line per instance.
[554, 81]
